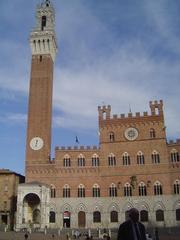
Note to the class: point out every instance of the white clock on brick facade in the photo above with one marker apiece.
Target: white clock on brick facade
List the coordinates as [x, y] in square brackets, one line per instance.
[131, 134]
[36, 143]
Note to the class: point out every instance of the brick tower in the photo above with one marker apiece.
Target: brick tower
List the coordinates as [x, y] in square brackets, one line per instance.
[44, 48]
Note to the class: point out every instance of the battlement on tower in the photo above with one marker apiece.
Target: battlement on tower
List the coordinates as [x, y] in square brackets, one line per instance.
[156, 108]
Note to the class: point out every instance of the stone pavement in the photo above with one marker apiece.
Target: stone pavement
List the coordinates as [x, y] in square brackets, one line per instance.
[41, 236]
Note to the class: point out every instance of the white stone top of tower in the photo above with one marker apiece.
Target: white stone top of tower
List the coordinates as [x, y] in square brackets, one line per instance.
[43, 37]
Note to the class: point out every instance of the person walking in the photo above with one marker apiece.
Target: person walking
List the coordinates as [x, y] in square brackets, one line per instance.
[132, 229]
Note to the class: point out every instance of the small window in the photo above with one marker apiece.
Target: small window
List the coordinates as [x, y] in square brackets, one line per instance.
[144, 216]
[159, 215]
[111, 137]
[43, 22]
[96, 217]
[177, 187]
[178, 214]
[114, 216]
[53, 191]
[152, 133]
[52, 217]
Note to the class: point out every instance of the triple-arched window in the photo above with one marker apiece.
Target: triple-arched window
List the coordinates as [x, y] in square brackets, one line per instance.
[53, 191]
[158, 188]
[177, 187]
[95, 160]
[96, 190]
[113, 190]
[155, 157]
[174, 155]
[126, 159]
[81, 160]
[66, 191]
[127, 190]
[111, 159]
[140, 158]
[81, 191]
[67, 161]
[142, 189]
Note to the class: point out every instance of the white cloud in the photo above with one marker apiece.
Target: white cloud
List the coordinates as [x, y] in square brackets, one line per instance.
[13, 118]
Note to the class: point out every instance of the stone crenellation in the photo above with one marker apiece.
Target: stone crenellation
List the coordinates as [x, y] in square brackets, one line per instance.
[177, 141]
[76, 148]
[155, 106]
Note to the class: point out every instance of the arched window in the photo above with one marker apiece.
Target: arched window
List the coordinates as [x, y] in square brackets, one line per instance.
[114, 216]
[140, 158]
[159, 215]
[127, 190]
[155, 157]
[126, 159]
[96, 217]
[177, 187]
[96, 190]
[113, 190]
[152, 133]
[95, 160]
[52, 217]
[66, 191]
[158, 188]
[43, 22]
[144, 216]
[67, 161]
[53, 191]
[81, 160]
[142, 189]
[111, 137]
[178, 214]
[174, 156]
[81, 191]
[111, 159]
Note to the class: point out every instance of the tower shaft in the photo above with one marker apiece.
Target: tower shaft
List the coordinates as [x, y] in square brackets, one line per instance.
[44, 48]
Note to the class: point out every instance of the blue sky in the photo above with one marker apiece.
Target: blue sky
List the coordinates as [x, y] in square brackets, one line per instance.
[118, 52]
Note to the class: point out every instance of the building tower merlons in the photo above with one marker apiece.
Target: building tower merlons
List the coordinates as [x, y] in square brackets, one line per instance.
[44, 48]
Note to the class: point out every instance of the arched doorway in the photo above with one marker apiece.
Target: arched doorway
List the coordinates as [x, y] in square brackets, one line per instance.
[81, 219]
[31, 209]
[66, 219]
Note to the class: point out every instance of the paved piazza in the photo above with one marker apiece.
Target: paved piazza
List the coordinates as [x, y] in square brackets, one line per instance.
[41, 236]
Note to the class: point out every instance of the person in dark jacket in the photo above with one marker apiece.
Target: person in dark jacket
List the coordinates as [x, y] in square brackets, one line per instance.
[132, 229]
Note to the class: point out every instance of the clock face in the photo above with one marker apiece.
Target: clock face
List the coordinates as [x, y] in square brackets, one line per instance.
[131, 134]
[36, 143]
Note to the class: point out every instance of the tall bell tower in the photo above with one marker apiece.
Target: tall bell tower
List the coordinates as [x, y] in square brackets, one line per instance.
[44, 48]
